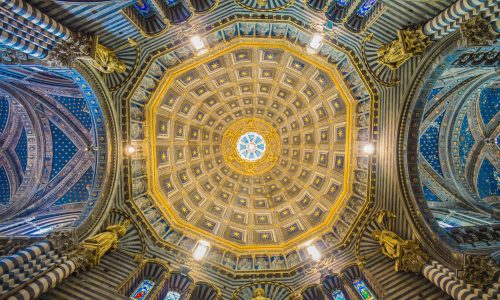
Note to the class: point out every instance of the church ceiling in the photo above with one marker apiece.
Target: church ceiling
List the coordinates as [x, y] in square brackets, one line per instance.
[187, 186]
[461, 114]
[51, 127]
[154, 23]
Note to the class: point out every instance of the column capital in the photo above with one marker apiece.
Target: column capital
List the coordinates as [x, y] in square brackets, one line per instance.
[479, 270]
[86, 48]
[478, 32]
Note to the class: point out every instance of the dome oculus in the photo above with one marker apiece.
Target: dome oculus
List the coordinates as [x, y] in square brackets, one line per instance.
[251, 146]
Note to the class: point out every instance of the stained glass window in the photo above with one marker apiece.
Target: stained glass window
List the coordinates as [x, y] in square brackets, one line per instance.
[142, 290]
[144, 8]
[173, 296]
[366, 7]
[338, 295]
[363, 290]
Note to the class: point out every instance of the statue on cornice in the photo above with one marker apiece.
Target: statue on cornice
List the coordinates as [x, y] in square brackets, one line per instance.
[407, 254]
[93, 249]
[104, 60]
[410, 42]
[259, 294]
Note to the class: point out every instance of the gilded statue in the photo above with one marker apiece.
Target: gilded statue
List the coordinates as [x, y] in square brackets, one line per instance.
[93, 249]
[407, 254]
[262, 2]
[410, 42]
[259, 294]
[105, 60]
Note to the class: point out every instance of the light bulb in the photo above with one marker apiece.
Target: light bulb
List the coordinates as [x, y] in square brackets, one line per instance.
[130, 149]
[315, 43]
[314, 252]
[198, 44]
[369, 148]
[201, 250]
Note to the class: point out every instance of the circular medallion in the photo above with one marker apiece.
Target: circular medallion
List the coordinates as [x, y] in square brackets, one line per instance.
[251, 146]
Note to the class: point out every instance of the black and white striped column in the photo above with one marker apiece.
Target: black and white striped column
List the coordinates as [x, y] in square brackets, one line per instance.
[47, 281]
[11, 262]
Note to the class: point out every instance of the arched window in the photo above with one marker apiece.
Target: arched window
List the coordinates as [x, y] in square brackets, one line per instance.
[173, 296]
[143, 290]
[366, 7]
[338, 295]
[363, 290]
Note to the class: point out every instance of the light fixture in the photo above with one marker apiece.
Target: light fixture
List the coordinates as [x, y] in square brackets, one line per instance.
[130, 149]
[314, 252]
[198, 44]
[315, 43]
[201, 250]
[369, 148]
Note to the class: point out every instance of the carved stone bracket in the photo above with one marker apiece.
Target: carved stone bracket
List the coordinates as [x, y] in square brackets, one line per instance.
[479, 270]
[478, 32]
[410, 42]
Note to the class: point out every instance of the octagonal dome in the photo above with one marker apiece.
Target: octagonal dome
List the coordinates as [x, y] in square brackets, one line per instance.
[191, 183]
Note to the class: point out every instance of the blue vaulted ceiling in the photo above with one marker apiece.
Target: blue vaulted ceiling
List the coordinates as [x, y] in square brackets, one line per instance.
[488, 180]
[80, 191]
[466, 142]
[4, 113]
[489, 104]
[63, 150]
[458, 141]
[52, 170]
[4, 187]
[22, 150]
[429, 144]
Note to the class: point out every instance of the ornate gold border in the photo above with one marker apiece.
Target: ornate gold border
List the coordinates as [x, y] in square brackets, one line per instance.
[230, 140]
[152, 106]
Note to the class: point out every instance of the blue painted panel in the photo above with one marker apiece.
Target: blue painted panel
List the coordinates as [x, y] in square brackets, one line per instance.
[4, 187]
[489, 104]
[429, 195]
[434, 92]
[466, 142]
[80, 191]
[4, 113]
[63, 150]
[429, 144]
[78, 107]
[488, 180]
[22, 149]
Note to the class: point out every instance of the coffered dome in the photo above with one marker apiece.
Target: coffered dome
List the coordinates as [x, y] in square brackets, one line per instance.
[251, 148]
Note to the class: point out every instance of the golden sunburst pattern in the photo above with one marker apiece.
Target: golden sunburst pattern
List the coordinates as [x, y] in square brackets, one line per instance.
[232, 136]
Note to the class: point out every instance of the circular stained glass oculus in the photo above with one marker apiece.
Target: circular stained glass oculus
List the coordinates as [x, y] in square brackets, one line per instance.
[251, 146]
